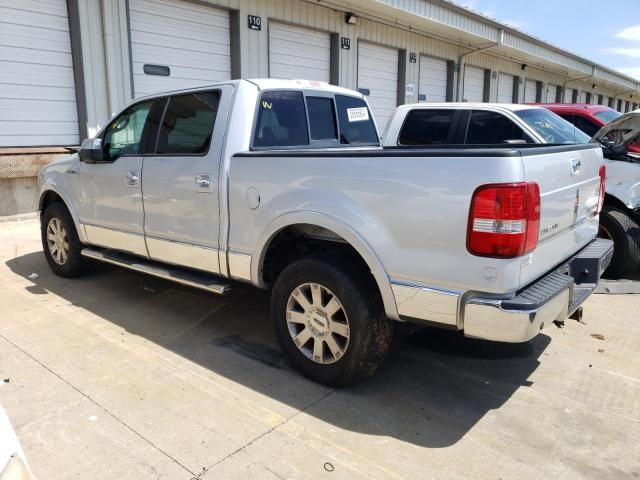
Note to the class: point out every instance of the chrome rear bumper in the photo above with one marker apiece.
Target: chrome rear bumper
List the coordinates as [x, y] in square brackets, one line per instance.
[553, 297]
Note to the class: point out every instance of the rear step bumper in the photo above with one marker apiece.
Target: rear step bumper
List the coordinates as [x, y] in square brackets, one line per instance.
[191, 278]
[553, 297]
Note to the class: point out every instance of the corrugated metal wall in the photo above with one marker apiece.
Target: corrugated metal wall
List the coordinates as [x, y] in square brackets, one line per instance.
[107, 74]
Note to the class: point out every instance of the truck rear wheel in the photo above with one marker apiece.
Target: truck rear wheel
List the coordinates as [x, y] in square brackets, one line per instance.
[329, 320]
[60, 241]
[617, 225]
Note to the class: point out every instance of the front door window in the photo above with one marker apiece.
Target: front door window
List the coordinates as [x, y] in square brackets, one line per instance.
[123, 135]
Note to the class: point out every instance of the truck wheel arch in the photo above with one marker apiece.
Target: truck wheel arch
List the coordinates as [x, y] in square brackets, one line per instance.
[614, 201]
[342, 231]
[51, 195]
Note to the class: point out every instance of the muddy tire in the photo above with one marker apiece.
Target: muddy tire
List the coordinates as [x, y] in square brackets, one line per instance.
[619, 226]
[329, 319]
[60, 242]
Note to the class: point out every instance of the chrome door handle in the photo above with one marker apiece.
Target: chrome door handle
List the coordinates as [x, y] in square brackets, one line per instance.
[204, 181]
[132, 179]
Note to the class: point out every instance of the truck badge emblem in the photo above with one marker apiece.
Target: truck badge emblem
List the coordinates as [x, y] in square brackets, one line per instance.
[576, 164]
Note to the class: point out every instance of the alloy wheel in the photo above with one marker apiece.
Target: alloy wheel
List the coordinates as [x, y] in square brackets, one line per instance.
[57, 241]
[318, 323]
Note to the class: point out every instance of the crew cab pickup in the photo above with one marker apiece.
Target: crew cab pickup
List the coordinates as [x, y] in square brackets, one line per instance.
[497, 124]
[284, 185]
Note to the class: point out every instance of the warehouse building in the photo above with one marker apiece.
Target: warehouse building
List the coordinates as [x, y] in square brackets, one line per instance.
[66, 66]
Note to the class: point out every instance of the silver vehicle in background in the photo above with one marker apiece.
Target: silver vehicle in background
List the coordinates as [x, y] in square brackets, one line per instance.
[487, 124]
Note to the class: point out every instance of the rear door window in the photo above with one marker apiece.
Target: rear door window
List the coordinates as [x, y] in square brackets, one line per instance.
[282, 120]
[490, 128]
[428, 127]
[586, 125]
[187, 124]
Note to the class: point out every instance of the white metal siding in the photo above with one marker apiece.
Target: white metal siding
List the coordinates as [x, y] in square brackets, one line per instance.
[505, 88]
[299, 53]
[583, 97]
[378, 72]
[37, 88]
[433, 79]
[473, 88]
[529, 91]
[191, 39]
[552, 91]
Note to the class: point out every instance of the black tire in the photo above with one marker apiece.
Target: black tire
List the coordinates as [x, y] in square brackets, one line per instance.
[370, 330]
[617, 225]
[74, 263]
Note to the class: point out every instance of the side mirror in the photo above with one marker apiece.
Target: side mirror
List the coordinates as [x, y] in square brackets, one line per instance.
[91, 150]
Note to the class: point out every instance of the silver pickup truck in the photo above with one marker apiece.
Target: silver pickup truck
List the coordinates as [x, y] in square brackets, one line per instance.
[284, 185]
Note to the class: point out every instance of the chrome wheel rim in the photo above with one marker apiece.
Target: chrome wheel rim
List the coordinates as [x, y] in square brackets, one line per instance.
[57, 241]
[318, 323]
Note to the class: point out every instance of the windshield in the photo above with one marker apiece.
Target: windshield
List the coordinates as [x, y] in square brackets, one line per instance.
[551, 127]
[608, 115]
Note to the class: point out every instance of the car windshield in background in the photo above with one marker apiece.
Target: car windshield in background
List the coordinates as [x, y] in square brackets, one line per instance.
[551, 127]
[608, 115]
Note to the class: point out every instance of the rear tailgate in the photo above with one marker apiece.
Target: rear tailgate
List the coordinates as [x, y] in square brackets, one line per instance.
[569, 187]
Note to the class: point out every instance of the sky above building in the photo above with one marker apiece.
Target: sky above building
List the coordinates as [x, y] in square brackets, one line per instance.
[607, 32]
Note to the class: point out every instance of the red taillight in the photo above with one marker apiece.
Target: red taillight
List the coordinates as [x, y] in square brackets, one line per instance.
[603, 174]
[504, 220]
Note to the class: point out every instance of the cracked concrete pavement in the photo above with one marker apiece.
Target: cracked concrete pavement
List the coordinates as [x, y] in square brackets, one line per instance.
[118, 375]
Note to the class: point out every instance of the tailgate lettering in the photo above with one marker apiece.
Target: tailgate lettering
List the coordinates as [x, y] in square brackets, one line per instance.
[549, 229]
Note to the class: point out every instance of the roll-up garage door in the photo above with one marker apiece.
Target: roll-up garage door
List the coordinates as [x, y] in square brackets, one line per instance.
[378, 74]
[37, 93]
[552, 91]
[473, 88]
[568, 95]
[505, 88]
[433, 80]
[191, 40]
[300, 53]
[529, 91]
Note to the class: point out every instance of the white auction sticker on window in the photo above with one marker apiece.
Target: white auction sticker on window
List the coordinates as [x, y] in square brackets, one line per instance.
[357, 114]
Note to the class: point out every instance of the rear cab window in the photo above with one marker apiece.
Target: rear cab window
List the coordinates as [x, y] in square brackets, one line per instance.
[297, 119]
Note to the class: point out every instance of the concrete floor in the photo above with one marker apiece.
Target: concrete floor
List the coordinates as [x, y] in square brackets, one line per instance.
[118, 375]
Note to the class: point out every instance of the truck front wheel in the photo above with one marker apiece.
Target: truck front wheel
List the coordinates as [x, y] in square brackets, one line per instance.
[617, 225]
[329, 320]
[60, 241]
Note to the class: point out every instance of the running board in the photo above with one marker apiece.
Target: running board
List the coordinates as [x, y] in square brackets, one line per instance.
[203, 281]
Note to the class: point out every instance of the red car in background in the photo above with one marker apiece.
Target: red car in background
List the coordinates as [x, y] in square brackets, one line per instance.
[588, 118]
